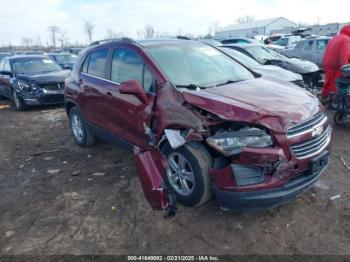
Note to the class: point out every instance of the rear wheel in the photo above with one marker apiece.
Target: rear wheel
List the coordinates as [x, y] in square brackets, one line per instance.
[81, 132]
[187, 173]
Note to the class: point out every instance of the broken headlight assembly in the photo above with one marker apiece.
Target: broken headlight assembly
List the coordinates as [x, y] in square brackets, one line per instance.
[231, 142]
[26, 87]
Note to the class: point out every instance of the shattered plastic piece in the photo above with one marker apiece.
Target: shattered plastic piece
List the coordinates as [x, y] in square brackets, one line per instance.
[75, 173]
[344, 163]
[113, 208]
[48, 158]
[334, 197]
[99, 174]
[10, 233]
[53, 171]
[175, 138]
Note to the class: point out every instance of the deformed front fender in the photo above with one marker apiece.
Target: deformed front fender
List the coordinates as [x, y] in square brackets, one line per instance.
[150, 167]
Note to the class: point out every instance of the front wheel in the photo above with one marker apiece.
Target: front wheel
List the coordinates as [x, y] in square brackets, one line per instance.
[18, 101]
[187, 173]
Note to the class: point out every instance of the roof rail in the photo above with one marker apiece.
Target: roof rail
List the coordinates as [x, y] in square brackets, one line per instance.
[122, 39]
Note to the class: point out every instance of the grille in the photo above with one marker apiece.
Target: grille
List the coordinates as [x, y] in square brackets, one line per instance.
[53, 86]
[307, 126]
[312, 146]
[51, 99]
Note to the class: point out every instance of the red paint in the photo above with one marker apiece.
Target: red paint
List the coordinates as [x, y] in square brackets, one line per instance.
[337, 54]
[123, 110]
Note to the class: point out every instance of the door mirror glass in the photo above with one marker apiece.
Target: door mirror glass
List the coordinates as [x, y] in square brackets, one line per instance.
[133, 87]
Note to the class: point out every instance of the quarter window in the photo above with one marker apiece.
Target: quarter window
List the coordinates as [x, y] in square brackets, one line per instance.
[127, 65]
[85, 64]
[7, 66]
[97, 63]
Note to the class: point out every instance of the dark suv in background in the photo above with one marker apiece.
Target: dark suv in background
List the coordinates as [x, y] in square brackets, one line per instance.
[200, 123]
[32, 80]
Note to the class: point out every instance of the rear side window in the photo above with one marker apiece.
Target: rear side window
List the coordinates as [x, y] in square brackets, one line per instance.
[127, 65]
[2, 63]
[309, 45]
[97, 63]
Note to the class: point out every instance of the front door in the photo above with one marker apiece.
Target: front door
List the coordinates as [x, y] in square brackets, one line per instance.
[128, 117]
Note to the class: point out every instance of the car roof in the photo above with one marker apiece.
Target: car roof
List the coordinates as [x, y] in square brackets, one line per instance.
[141, 43]
[19, 57]
[63, 53]
[242, 45]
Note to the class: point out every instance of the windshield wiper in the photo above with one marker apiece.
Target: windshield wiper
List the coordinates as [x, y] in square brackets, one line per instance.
[228, 82]
[191, 86]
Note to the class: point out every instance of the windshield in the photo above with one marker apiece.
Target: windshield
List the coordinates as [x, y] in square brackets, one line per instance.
[65, 58]
[197, 64]
[240, 57]
[34, 65]
[282, 42]
[263, 54]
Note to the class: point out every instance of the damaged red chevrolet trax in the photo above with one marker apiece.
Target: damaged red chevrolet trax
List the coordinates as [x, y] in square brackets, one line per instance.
[200, 123]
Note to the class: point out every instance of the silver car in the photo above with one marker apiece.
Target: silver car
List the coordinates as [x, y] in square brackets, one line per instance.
[264, 70]
[311, 49]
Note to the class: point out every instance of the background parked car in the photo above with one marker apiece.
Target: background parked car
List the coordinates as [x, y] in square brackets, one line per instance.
[273, 39]
[286, 42]
[266, 56]
[264, 70]
[311, 49]
[65, 60]
[3, 55]
[240, 40]
[32, 80]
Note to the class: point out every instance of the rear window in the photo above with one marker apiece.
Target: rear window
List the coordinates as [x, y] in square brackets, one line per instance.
[97, 63]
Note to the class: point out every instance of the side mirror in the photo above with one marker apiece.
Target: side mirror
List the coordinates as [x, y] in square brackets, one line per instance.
[134, 87]
[6, 73]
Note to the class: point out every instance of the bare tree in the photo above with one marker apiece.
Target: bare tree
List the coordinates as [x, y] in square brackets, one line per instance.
[111, 33]
[37, 41]
[26, 41]
[62, 38]
[89, 30]
[149, 31]
[53, 30]
[245, 19]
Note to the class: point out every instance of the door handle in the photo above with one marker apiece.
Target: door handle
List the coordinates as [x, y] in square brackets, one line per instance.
[109, 94]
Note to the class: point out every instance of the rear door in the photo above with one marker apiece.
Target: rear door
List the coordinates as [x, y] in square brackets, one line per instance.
[308, 50]
[93, 79]
[127, 116]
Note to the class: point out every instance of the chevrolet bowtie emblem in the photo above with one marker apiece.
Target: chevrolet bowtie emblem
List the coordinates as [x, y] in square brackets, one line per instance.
[318, 130]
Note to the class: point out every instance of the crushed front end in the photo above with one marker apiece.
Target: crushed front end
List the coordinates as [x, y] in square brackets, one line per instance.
[257, 168]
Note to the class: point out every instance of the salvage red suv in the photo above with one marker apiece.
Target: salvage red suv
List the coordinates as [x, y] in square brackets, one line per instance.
[199, 123]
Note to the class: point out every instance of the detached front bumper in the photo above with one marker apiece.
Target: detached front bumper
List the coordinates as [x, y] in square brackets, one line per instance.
[269, 198]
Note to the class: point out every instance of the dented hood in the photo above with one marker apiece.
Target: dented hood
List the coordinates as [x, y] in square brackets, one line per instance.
[274, 104]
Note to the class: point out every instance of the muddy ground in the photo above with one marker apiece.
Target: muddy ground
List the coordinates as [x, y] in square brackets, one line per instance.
[66, 213]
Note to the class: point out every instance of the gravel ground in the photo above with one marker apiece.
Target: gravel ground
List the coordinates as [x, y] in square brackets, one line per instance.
[53, 202]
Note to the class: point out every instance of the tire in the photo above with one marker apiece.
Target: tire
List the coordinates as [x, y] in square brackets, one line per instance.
[81, 132]
[18, 101]
[339, 118]
[199, 162]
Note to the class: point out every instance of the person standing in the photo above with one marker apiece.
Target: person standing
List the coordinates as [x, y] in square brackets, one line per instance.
[337, 54]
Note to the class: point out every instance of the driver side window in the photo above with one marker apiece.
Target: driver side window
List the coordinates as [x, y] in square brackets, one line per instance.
[128, 65]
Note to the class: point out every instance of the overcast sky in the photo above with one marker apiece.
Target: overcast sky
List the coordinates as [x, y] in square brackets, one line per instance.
[29, 18]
